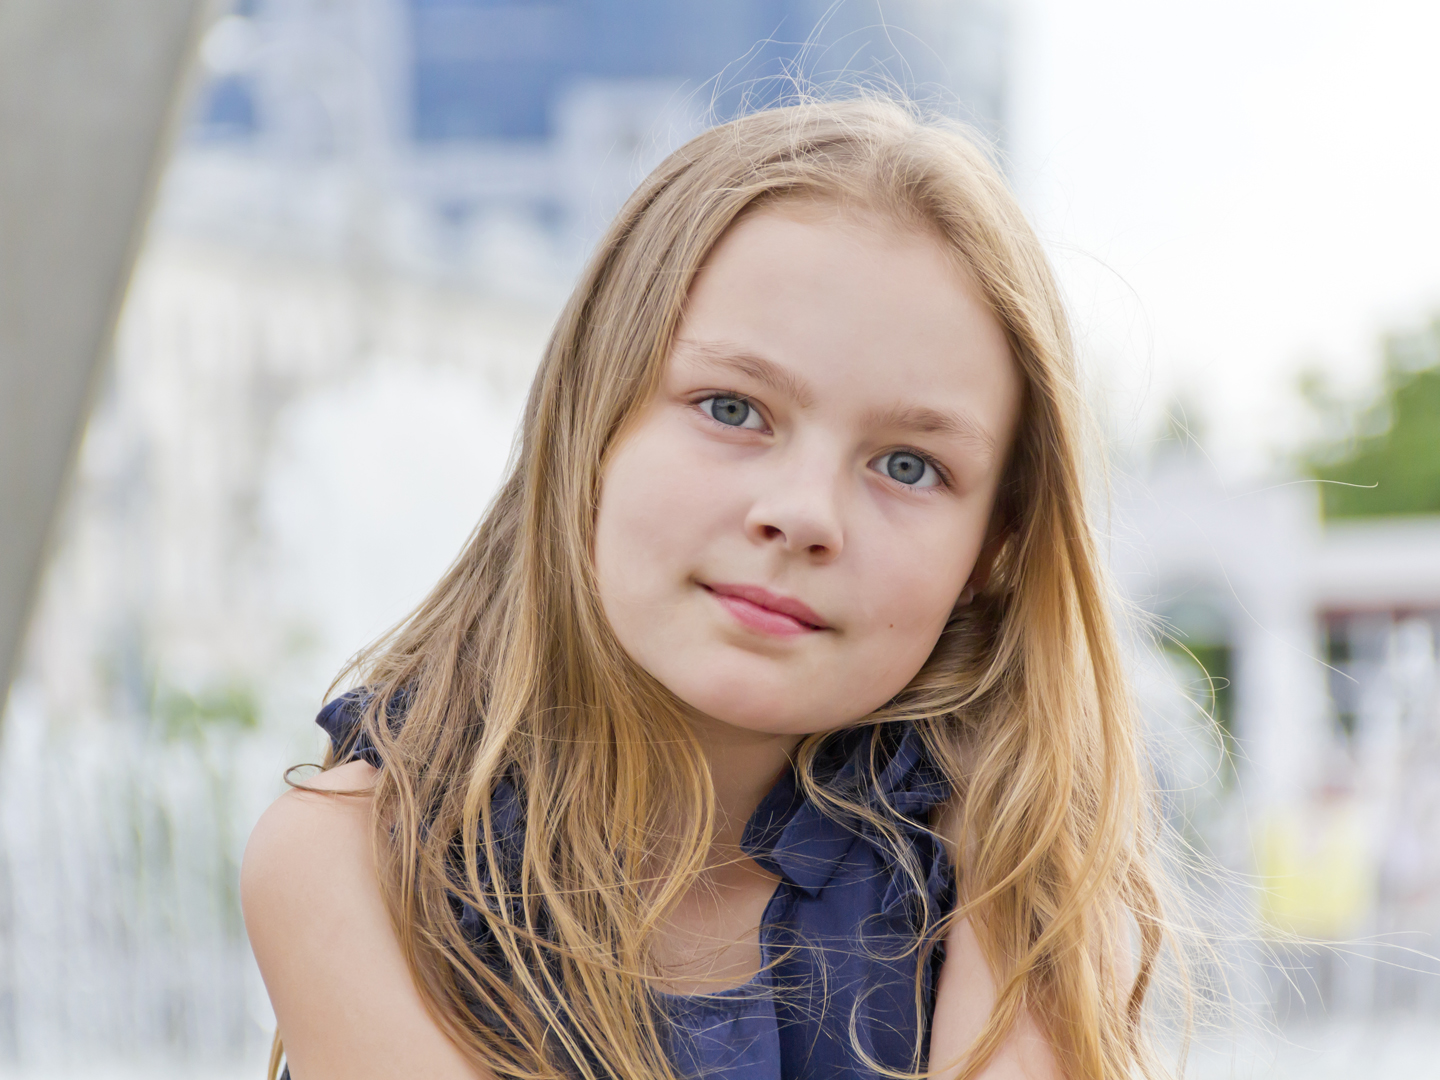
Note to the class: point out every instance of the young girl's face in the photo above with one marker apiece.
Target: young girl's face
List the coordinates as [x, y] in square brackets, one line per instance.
[786, 528]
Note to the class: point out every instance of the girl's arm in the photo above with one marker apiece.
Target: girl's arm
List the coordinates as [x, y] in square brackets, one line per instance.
[963, 1000]
[344, 1000]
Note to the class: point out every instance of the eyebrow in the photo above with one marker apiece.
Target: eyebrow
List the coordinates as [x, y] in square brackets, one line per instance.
[927, 421]
[766, 372]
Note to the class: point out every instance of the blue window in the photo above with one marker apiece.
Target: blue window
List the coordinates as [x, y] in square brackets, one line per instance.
[492, 69]
[227, 109]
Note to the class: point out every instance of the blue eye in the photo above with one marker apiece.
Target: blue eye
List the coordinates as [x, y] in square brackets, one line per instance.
[909, 469]
[733, 412]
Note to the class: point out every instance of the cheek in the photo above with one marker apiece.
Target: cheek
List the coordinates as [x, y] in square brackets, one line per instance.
[909, 592]
[657, 507]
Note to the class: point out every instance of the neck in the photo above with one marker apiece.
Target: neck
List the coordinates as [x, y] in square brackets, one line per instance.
[744, 765]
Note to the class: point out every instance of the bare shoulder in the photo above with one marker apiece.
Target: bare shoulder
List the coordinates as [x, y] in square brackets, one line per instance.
[307, 835]
[964, 997]
[344, 999]
[309, 840]
[357, 776]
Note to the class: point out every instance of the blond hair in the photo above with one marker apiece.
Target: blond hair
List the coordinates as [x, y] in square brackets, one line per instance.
[509, 673]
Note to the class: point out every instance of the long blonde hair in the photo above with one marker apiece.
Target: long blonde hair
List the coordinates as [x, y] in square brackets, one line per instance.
[509, 673]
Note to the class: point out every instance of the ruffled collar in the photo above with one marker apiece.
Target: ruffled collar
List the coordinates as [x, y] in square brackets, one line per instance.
[804, 843]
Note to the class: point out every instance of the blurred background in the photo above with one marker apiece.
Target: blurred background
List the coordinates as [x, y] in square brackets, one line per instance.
[274, 276]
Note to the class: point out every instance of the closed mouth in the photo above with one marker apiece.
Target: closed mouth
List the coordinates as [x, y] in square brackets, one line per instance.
[770, 602]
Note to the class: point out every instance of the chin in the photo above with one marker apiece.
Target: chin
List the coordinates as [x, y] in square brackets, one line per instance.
[769, 710]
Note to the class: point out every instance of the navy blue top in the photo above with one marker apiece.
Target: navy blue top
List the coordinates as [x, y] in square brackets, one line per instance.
[837, 940]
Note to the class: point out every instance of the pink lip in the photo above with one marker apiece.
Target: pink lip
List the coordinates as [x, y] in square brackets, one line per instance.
[767, 612]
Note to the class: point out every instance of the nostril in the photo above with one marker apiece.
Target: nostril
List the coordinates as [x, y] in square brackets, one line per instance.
[771, 532]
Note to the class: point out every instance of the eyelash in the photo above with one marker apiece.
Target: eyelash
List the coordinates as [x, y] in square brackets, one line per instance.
[946, 481]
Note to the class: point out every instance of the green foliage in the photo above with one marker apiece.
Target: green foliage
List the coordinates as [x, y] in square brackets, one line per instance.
[1213, 690]
[186, 715]
[1198, 641]
[1203, 657]
[1383, 458]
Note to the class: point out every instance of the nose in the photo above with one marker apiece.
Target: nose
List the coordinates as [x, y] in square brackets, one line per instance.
[800, 507]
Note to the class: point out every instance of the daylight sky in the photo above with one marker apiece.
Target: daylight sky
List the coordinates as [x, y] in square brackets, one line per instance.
[1232, 189]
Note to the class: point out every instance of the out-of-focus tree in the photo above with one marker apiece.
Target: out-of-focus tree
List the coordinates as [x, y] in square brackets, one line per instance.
[1382, 457]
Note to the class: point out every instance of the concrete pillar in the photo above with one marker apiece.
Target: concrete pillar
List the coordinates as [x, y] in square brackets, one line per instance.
[90, 97]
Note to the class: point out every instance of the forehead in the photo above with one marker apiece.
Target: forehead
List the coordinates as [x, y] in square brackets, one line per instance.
[813, 249]
[849, 301]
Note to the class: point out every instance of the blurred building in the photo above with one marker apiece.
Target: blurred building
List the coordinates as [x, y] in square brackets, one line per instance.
[1309, 727]
[454, 128]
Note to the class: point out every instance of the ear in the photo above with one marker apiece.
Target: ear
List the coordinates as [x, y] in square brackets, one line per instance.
[995, 537]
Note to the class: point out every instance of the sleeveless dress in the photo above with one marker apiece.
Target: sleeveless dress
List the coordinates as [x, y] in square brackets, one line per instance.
[838, 938]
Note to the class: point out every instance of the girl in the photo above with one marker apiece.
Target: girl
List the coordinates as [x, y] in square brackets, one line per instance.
[771, 725]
